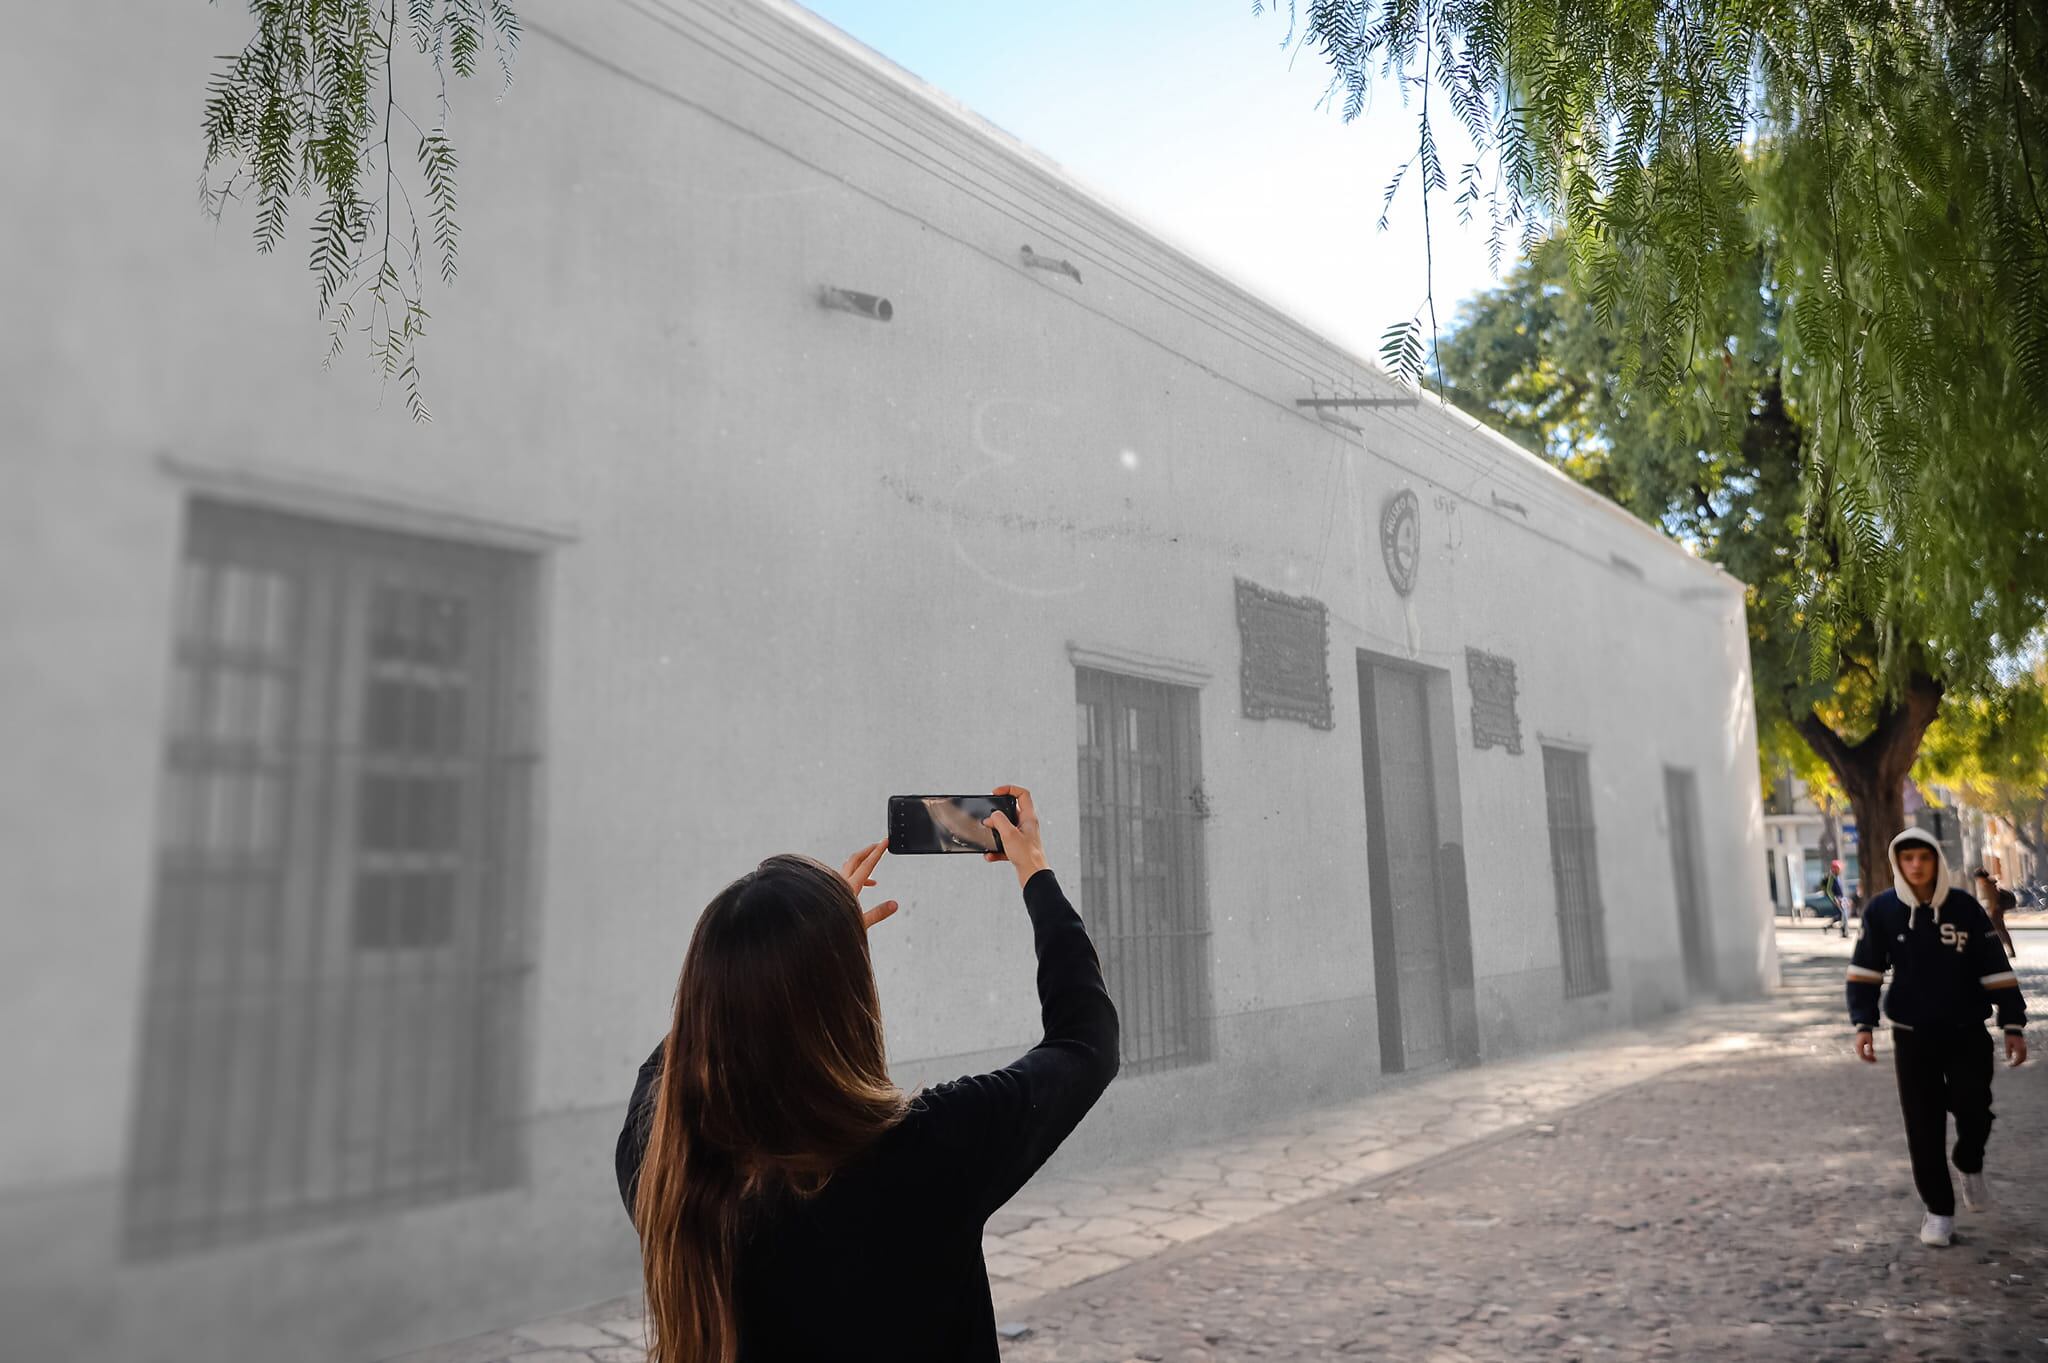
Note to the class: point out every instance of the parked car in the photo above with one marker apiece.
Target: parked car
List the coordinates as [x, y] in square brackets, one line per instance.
[1821, 905]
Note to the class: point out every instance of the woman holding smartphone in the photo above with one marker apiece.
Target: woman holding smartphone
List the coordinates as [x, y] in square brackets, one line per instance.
[791, 1201]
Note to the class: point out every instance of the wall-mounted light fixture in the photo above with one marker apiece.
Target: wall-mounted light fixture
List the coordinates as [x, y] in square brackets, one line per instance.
[860, 304]
[1039, 262]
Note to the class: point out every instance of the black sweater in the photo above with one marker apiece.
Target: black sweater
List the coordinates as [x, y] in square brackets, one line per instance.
[1947, 972]
[886, 1262]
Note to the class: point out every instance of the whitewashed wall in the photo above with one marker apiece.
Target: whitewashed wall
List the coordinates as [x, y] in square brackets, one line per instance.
[800, 559]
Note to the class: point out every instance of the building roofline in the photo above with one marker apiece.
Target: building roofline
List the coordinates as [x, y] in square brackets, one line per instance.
[1234, 294]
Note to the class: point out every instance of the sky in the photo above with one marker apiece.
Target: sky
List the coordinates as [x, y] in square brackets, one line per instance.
[1194, 117]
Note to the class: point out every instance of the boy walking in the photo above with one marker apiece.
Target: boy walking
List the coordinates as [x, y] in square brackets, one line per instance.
[1948, 970]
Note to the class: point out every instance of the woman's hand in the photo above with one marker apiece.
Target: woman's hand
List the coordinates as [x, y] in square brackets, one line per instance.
[1021, 846]
[857, 869]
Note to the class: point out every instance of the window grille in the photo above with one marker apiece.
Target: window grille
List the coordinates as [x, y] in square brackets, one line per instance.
[1141, 881]
[1581, 930]
[337, 967]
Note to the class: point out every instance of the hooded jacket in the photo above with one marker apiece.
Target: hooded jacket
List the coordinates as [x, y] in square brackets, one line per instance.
[1947, 967]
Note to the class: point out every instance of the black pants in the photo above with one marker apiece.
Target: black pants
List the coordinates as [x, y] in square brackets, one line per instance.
[1942, 1072]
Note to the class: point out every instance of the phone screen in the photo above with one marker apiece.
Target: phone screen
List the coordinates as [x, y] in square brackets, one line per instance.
[945, 823]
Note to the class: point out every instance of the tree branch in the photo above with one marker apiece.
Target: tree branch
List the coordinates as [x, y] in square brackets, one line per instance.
[1832, 748]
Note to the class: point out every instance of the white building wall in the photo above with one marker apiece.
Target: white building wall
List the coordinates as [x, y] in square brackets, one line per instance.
[791, 560]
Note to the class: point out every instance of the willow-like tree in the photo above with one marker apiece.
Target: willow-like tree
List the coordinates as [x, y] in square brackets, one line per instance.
[1722, 461]
[310, 108]
[1993, 750]
[1887, 163]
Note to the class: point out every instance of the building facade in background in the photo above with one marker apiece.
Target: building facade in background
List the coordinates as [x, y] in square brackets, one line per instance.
[1803, 835]
[2014, 863]
[368, 777]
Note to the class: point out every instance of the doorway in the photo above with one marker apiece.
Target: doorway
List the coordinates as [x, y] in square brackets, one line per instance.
[1421, 929]
[1681, 801]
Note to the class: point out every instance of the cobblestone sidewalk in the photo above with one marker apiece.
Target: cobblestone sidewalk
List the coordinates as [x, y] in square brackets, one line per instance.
[1756, 1206]
[1065, 1230]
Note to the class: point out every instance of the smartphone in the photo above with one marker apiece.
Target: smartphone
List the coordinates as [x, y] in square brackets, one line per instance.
[945, 823]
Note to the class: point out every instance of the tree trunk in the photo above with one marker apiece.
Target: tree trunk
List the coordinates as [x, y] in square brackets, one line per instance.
[1873, 772]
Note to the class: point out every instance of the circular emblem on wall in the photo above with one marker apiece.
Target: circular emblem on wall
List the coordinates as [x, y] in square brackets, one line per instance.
[1401, 539]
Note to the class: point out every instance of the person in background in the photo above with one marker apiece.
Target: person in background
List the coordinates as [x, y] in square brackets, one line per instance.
[1947, 971]
[1986, 887]
[1996, 899]
[1838, 892]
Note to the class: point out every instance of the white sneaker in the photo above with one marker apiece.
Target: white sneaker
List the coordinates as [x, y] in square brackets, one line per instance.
[1976, 1192]
[1936, 1230]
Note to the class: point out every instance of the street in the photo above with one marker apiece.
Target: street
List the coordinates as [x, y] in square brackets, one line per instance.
[1755, 1206]
[1731, 1185]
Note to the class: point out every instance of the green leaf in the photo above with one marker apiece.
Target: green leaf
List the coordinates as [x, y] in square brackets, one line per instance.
[1401, 350]
[306, 110]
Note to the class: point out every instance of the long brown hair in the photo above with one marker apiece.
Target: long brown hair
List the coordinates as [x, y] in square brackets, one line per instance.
[773, 1077]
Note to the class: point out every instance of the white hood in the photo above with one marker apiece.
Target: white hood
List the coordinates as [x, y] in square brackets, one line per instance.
[1941, 876]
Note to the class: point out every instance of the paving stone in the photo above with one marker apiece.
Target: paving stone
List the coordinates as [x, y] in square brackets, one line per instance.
[1183, 1228]
[1688, 1217]
[564, 1334]
[1055, 1274]
[1006, 1222]
[1235, 1209]
[1137, 1246]
[1627, 1249]
[1008, 1265]
[1104, 1227]
[1037, 1235]
[1377, 1163]
[1147, 1216]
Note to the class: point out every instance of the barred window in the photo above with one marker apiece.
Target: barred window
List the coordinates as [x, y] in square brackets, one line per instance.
[336, 971]
[1581, 927]
[1141, 876]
